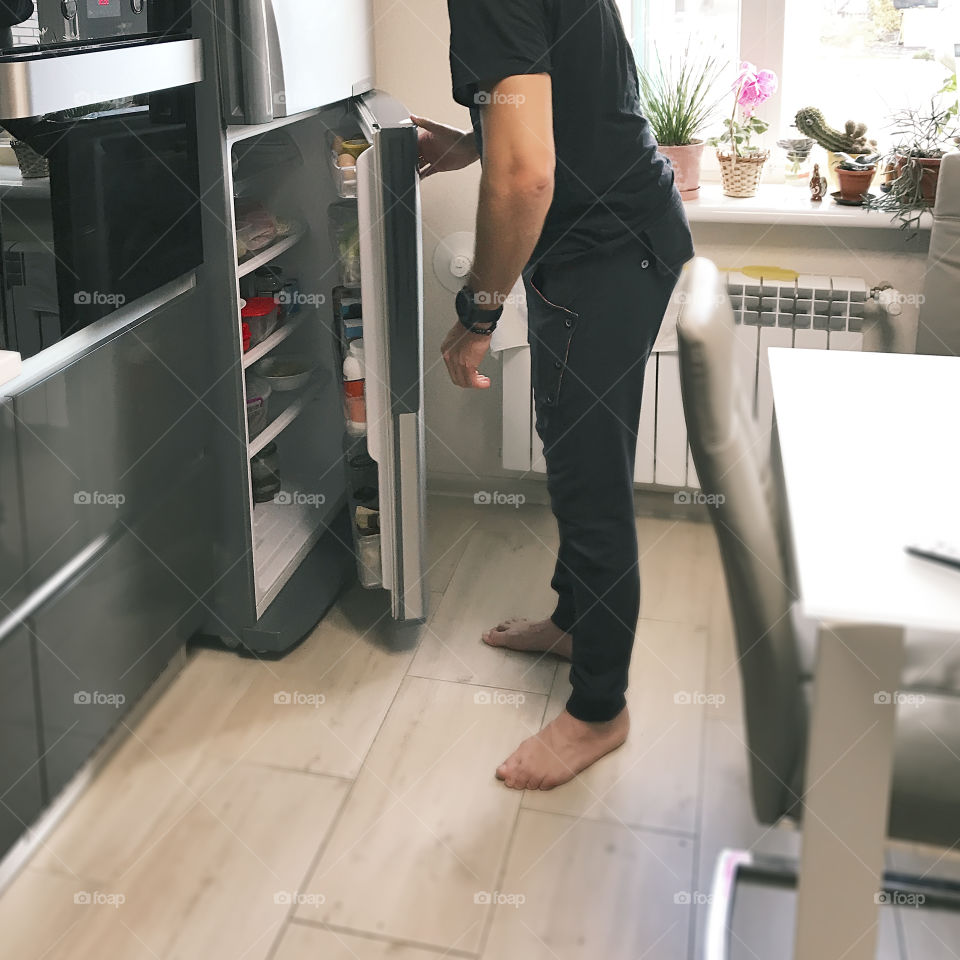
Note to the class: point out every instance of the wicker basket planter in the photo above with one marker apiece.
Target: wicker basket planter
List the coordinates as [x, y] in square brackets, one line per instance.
[741, 175]
[32, 164]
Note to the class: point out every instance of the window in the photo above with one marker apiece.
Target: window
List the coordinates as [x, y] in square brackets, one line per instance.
[853, 59]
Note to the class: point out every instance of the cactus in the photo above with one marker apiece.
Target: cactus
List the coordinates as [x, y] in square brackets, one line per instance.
[852, 140]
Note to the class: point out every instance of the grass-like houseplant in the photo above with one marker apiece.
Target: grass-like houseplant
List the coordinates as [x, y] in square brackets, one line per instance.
[921, 138]
[679, 100]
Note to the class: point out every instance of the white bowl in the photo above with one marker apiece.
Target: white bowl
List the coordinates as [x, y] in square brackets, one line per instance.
[284, 373]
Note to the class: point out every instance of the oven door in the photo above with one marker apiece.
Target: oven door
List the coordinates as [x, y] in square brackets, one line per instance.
[117, 217]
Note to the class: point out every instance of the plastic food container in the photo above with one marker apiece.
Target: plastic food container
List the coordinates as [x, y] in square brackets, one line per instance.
[265, 474]
[258, 397]
[284, 373]
[260, 314]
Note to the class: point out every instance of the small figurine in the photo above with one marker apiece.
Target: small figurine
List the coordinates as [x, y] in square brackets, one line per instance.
[818, 184]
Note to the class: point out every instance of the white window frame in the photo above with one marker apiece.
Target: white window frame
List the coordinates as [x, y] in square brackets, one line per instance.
[763, 31]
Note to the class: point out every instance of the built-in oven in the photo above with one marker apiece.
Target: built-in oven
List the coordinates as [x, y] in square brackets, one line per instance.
[99, 182]
[45, 24]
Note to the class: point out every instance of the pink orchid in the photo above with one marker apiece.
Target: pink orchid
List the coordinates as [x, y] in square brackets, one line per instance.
[754, 87]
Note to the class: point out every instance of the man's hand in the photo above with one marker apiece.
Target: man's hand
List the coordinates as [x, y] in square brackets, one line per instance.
[462, 352]
[443, 148]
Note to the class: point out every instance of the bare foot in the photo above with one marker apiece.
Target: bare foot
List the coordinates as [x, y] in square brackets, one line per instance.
[529, 636]
[563, 748]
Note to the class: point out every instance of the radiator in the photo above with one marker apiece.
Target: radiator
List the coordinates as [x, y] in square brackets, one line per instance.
[811, 312]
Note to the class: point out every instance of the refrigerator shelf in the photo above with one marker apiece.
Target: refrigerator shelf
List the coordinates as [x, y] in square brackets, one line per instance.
[283, 534]
[264, 257]
[277, 337]
[297, 403]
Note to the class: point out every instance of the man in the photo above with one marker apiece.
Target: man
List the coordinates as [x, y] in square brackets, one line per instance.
[575, 197]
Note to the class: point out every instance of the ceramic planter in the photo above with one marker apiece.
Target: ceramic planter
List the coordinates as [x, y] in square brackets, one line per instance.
[854, 184]
[685, 160]
[929, 177]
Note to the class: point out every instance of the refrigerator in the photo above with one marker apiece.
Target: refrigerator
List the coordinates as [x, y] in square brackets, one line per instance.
[316, 494]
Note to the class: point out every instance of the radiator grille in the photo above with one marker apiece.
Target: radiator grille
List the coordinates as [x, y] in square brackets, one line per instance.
[811, 312]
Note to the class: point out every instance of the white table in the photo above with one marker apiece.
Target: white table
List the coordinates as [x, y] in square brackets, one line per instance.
[870, 449]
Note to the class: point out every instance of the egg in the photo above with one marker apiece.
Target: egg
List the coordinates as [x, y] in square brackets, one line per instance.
[346, 160]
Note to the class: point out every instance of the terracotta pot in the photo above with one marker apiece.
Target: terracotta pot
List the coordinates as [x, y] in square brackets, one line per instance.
[685, 160]
[929, 177]
[855, 183]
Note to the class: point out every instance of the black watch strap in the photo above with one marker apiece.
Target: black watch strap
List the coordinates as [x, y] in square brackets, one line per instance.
[470, 315]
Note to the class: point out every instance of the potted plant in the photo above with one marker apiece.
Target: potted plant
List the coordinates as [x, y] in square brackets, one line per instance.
[855, 174]
[740, 168]
[679, 100]
[852, 140]
[921, 139]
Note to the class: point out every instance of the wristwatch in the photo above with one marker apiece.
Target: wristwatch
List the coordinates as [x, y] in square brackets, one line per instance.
[470, 314]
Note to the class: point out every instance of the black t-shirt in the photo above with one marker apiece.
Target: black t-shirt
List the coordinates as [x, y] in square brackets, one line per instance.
[610, 182]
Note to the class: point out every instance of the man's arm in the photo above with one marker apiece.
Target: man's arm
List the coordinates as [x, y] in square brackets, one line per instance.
[516, 190]
[516, 187]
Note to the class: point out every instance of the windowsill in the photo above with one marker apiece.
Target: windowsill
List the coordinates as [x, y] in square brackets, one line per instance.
[778, 204]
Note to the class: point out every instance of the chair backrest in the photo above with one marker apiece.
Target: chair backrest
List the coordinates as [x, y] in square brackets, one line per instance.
[938, 331]
[734, 469]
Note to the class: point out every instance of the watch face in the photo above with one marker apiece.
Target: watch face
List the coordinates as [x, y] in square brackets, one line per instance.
[464, 303]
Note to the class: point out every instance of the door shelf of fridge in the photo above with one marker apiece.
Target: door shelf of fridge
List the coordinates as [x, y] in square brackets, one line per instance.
[344, 178]
[268, 254]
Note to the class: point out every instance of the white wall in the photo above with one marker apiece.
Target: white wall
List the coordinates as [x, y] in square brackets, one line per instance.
[463, 428]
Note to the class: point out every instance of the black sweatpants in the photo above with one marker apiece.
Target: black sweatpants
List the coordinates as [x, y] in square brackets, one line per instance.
[592, 324]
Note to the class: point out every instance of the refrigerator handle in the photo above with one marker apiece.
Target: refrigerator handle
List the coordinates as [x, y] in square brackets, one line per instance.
[257, 42]
[404, 296]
